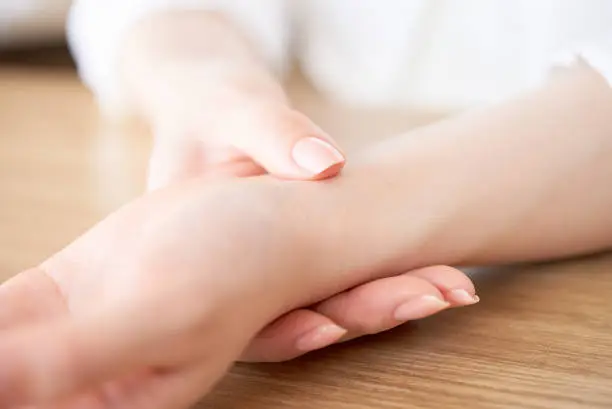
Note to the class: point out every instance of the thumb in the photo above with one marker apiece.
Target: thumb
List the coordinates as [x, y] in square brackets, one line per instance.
[286, 143]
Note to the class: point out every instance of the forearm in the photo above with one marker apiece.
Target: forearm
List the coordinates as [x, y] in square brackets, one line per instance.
[526, 180]
[193, 50]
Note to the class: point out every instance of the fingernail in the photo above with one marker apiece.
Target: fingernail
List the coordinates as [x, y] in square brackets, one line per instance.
[315, 155]
[320, 337]
[419, 308]
[462, 297]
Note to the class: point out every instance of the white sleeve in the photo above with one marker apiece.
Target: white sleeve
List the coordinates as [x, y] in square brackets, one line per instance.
[598, 55]
[96, 29]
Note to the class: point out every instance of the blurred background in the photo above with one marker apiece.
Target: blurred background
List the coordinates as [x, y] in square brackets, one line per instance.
[61, 167]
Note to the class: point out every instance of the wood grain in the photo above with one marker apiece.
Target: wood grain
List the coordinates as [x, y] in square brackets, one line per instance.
[540, 338]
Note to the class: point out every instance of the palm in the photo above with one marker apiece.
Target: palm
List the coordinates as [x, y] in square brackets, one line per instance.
[34, 297]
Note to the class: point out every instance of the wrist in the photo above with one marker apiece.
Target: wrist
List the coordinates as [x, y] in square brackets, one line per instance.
[372, 221]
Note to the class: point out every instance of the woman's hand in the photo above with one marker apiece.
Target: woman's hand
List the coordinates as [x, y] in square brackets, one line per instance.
[150, 307]
[216, 110]
[215, 107]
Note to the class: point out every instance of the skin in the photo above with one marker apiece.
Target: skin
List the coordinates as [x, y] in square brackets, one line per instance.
[216, 110]
[150, 307]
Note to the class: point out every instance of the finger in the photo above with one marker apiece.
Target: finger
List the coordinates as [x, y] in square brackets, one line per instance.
[286, 143]
[276, 140]
[457, 287]
[49, 361]
[368, 309]
[292, 335]
[383, 304]
[29, 297]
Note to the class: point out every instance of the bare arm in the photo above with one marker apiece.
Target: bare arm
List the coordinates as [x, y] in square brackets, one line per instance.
[529, 179]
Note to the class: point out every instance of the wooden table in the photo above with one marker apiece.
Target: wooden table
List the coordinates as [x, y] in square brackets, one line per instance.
[540, 338]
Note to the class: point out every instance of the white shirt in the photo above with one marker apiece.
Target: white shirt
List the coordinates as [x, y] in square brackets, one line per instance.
[443, 54]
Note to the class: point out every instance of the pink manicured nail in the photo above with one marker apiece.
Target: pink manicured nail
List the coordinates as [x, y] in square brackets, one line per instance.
[320, 337]
[315, 155]
[420, 307]
[462, 297]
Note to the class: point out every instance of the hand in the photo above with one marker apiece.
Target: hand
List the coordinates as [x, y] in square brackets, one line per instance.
[150, 307]
[221, 113]
[214, 107]
[365, 310]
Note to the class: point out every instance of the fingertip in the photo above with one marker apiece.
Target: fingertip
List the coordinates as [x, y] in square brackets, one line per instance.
[317, 157]
[300, 175]
[462, 298]
[287, 144]
[330, 172]
[320, 337]
[456, 286]
[419, 307]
